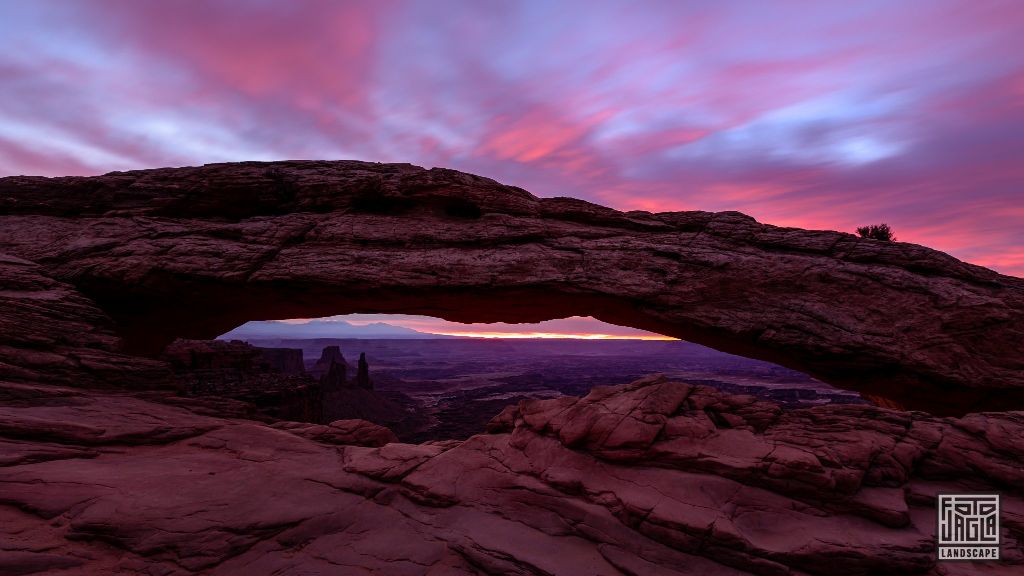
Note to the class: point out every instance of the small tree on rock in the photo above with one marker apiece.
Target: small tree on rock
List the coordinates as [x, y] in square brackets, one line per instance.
[877, 232]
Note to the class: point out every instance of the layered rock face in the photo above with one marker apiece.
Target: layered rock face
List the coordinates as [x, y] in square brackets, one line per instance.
[194, 252]
[273, 380]
[50, 332]
[234, 358]
[283, 360]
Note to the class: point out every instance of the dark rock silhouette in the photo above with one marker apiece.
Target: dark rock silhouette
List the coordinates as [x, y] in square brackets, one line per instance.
[332, 369]
[201, 250]
[363, 375]
[233, 356]
[334, 379]
[283, 360]
[356, 399]
[328, 357]
[273, 380]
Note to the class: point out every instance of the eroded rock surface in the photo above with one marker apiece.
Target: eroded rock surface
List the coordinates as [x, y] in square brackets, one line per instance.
[655, 477]
[50, 332]
[194, 252]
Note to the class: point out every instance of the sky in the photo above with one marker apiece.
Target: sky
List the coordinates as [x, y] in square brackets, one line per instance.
[575, 327]
[821, 115]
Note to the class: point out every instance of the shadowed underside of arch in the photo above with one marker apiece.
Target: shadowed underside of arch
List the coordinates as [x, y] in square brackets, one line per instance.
[194, 252]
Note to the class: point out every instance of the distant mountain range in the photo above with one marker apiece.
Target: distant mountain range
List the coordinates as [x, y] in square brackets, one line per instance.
[323, 329]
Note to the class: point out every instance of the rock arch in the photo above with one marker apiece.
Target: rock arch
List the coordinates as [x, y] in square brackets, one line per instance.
[193, 252]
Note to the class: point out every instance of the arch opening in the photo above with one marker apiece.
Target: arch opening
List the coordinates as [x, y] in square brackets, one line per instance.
[151, 316]
[432, 379]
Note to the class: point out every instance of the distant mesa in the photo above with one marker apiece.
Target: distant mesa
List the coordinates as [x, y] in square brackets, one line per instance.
[322, 328]
[275, 381]
[330, 356]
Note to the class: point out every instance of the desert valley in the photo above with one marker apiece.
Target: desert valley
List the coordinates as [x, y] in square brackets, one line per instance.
[440, 389]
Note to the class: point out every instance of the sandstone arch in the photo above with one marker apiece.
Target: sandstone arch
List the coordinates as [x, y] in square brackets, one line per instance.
[193, 252]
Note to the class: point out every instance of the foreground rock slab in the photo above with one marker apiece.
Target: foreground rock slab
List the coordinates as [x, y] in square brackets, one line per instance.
[195, 252]
[655, 477]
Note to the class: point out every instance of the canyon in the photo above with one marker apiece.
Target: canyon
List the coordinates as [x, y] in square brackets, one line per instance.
[451, 387]
[106, 466]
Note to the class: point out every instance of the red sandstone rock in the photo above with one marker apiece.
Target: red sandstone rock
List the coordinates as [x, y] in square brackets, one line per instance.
[353, 432]
[104, 471]
[126, 486]
[52, 333]
[194, 252]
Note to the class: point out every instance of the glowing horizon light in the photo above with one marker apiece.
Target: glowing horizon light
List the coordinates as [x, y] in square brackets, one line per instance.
[554, 335]
[573, 327]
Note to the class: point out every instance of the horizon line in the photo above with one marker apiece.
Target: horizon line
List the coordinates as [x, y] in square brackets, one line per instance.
[550, 336]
